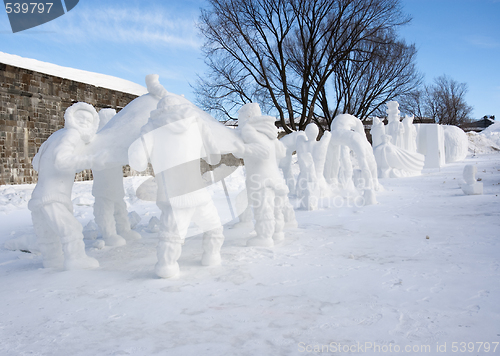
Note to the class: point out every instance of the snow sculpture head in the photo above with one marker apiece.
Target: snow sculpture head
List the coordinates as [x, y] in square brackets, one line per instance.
[408, 120]
[104, 116]
[392, 111]
[248, 111]
[175, 111]
[312, 132]
[83, 118]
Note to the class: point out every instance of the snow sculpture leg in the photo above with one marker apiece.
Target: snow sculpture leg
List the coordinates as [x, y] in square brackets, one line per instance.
[279, 203]
[105, 219]
[263, 208]
[289, 214]
[207, 218]
[58, 219]
[171, 238]
[48, 241]
[122, 222]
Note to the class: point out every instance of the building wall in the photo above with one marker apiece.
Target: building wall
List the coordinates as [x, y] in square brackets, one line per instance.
[32, 107]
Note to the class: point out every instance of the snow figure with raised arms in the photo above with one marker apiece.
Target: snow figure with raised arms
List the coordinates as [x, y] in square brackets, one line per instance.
[110, 210]
[409, 135]
[307, 189]
[377, 131]
[59, 233]
[394, 127]
[174, 140]
[267, 191]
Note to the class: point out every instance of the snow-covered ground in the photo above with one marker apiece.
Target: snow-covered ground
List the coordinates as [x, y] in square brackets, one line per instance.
[416, 271]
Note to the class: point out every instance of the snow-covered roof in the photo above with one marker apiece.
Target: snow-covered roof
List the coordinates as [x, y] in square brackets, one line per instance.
[97, 79]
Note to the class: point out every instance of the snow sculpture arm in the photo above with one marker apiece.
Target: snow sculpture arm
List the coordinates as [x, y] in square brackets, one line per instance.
[66, 160]
[36, 160]
[140, 151]
[212, 152]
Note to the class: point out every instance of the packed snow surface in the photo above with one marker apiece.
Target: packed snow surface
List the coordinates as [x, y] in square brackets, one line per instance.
[97, 79]
[417, 270]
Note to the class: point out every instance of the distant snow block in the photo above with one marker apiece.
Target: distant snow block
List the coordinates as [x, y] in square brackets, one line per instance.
[134, 219]
[456, 144]
[23, 243]
[469, 184]
[430, 143]
[83, 201]
[91, 231]
[153, 225]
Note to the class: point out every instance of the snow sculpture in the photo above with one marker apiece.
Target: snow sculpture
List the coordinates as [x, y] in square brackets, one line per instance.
[307, 188]
[182, 196]
[394, 127]
[320, 149]
[430, 143]
[409, 135]
[469, 185]
[377, 131]
[59, 233]
[267, 191]
[110, 210]
[395, 162]
[456, 144]
[347, 130]
[290, 142]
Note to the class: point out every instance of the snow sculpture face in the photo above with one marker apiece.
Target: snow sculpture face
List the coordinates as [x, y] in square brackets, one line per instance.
[312, 132]
[83, 118]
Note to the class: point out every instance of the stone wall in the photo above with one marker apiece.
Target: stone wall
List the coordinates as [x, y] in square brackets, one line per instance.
[32, 107]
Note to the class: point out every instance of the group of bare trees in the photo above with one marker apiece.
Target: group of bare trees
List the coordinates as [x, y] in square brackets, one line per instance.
[307, 60]
[443, 101]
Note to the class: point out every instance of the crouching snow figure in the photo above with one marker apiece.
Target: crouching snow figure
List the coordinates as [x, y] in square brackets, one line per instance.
[59, 233]
[110, 210]
[266, 189]
[174, 140]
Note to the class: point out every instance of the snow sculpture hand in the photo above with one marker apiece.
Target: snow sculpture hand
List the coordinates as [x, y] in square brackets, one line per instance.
[252, 149]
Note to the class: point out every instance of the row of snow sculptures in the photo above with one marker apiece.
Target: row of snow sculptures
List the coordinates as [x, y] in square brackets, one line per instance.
[173, 141]
[394, 145]
[110, 210]
[347, 133]
[59, 233]
[266, 189]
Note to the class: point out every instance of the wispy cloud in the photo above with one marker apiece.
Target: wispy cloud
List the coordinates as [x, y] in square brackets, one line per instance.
[483, 41]
[149, 26]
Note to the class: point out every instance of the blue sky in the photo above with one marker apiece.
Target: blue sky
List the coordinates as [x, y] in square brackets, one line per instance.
[130, 39]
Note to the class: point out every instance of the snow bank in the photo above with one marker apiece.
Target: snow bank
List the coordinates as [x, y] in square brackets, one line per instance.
[480, 144]
[492, 132]
[99, 80]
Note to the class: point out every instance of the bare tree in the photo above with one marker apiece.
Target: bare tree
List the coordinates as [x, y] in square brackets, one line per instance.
[285, 51]
[383, 72]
